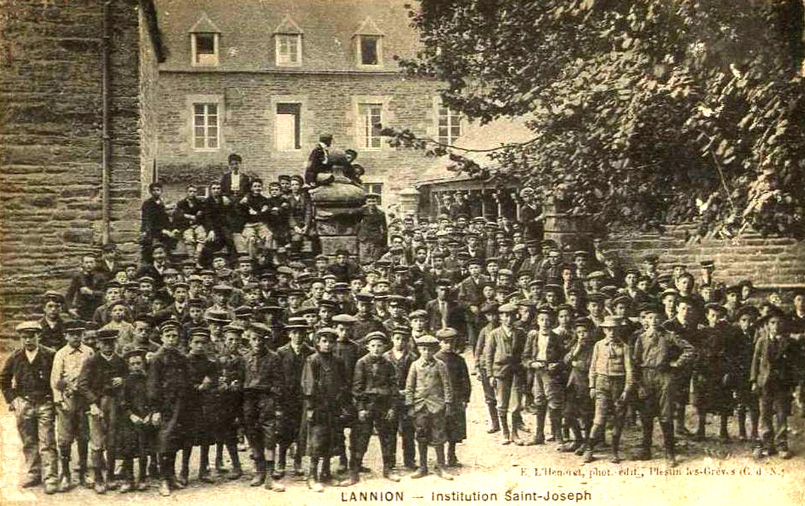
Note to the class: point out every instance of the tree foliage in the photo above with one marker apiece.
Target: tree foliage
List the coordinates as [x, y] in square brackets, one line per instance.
[645, 112]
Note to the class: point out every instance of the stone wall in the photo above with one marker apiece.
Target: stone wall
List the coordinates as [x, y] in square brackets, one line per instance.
[329, 104]
[765, 261]
[50, 133]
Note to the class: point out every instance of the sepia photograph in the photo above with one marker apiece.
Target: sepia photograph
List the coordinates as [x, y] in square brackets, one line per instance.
[407, 252]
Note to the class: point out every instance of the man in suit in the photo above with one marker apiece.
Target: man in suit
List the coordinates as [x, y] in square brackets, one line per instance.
[318, 161]
[86, 290]
[372, 230]
[215, 218]
[235, 184]
[444, 312]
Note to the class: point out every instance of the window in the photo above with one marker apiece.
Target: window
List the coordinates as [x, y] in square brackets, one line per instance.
[289, 50]
[205, 126]
[287, 127]
[374, 188]
[205, 49]
[369, 50]
[370, 120]
[449, 125]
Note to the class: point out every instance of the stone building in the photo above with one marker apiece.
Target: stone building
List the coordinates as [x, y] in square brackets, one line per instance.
[266, 79]
[77, 89]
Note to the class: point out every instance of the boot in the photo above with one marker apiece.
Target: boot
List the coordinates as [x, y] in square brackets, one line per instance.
[573, 426]
[343, 464]
[325, 476]
[387, 466]
[164, 473]
[588, 451]
[452, 459]
[441, 468]
[313, 476]
[65, 482]
[279, 472]
[504, 424]
[141, 483]
[259, 472]
[184, 471]
[701, 428]
[645, 444]
[556, 425]
[539, 431]
[354, 471]
[423, 461]
[237, 469]
[681, 430]
[82, 463]
[97, 471]
[204, 466]
[742, 425]
[723, 435]
[616, 446]
[219, 459]
[270, 484]
[128, 476]
[493, 417]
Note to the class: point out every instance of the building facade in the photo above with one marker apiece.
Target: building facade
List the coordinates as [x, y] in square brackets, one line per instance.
[266, 79]
[78, 138]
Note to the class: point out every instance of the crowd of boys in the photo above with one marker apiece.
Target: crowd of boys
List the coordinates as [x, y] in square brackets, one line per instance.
[268, 349]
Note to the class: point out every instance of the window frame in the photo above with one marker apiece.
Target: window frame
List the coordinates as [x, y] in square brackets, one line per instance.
[374, 187]
[206, 126]
[450, 114]
[194, 49]
[362, 138]
[278, 45]
[379, 51]
[297, 130]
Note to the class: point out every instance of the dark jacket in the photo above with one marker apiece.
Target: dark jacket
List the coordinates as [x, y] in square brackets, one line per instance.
[155, 217]
[226, 184]
[372, 227]
[95, 380]
[20, 378]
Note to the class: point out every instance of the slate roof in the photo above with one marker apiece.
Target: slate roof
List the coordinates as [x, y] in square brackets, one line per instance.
[247, 29]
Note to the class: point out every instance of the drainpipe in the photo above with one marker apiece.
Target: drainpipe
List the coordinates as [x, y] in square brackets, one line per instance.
[107, 139]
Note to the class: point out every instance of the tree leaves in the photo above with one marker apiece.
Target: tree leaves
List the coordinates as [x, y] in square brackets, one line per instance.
[639, 108]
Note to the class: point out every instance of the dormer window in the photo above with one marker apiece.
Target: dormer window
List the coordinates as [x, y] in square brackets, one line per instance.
[368, 41]
[204, 37]
[288, 44]
[369, 50]
[289, 50]
[205, 49]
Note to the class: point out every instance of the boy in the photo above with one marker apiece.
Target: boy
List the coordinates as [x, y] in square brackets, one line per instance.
[774, 377]
[86, 290]
[746, 316]
[125, 330]
[264, 394]
[187, 220]
[202, 379]
[229, 402]
[293, 356]
[460, 385]
[428, 397]
[26, 389]
[277, 217]
[660, 357]
[101, 384]
[401, 358]
[168, 387]
[490, 313]
[135, 430]
[254, 208]
[373, 389]
[70, 408]
[504, 353]
[714, 371]
[611, 382]
[326, 394]
[544, 353]
[579, 408]
[156, 224]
